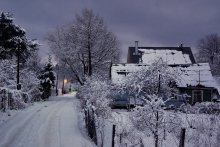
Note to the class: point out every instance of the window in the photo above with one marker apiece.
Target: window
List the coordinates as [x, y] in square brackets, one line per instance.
[197, 96]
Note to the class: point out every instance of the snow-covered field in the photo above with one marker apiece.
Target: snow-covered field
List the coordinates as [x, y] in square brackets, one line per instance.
[54, 123]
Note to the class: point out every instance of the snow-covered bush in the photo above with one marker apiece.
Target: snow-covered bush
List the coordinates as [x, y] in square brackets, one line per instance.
[202, 130]
[28, 79]
[128, 135]
[204, 107]
[153, 121]
[94, 96]
[12, 99]
[202, 124]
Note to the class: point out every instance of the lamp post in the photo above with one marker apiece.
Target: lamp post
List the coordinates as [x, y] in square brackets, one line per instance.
[57, 67]
[18, 67]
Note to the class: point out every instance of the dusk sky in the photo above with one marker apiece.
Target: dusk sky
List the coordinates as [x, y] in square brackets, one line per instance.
[151, 22]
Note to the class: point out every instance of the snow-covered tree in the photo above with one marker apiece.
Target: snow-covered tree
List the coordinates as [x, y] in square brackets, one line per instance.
[209, 51]
[34, 62]
[31, 84]
[157, 79]
[13, 39]
[94, 95]
[153, 85]
[150, 117]
[86, 46]
[47, 79]
[28, 79]
[7, 74]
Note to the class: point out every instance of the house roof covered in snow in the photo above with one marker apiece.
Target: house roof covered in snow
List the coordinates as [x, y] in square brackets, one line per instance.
[189, 75]
[172, 55]
[195, 74]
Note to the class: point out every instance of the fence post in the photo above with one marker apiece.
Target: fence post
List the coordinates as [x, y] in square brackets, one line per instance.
[10, 102]
[86, 119]
[94, 128]
[120, 138]
[1, 99]
[4, 100]
[141, 143]
[182, 137]
[113, 136]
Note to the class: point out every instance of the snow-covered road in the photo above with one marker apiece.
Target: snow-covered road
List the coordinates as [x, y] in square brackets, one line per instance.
[54, 123]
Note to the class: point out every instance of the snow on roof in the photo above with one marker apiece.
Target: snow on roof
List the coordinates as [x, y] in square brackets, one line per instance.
[189, 75]
[169, 56]
[195, 74]
[119, 71]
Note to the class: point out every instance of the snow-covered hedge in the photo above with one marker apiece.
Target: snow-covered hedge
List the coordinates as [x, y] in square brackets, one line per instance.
[204, 107]
[12, 99]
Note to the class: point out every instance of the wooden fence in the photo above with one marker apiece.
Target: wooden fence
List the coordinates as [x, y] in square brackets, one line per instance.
[90, 125]
[12, 99]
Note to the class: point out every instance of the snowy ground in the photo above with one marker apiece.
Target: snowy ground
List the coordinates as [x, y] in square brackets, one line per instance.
[54, 123]
[201, 130]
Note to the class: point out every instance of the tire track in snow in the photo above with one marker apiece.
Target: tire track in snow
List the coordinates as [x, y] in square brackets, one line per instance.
[49, 135]
[53, 126]
[14, 133]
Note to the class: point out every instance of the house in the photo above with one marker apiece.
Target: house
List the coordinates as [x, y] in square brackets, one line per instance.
[196, 79]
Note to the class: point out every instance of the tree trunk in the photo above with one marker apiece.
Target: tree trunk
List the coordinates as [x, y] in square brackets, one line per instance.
[90, 60]
[156, 132]
[156, 141]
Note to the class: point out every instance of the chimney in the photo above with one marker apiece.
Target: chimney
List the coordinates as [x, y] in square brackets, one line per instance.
[136, 47]
[181, 45]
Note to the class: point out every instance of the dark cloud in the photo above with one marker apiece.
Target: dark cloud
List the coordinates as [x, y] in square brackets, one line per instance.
[152, 22]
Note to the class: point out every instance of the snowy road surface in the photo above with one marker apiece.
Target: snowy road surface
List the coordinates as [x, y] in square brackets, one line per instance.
[53, 123]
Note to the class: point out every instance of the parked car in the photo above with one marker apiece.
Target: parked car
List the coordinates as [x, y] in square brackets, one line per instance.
[175, 103]
[120, 103]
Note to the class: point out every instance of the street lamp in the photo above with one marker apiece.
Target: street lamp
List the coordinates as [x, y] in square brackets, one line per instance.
[64, 83]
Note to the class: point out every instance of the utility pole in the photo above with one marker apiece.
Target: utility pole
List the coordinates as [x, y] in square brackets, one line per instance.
[63, 85]
[158, 92]
[57, 66]
[18, 67]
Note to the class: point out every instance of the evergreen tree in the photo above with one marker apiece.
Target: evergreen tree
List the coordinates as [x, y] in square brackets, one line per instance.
[13, 37]
[47, 80]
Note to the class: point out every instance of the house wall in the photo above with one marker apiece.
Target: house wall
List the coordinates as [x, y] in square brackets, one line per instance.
[207, 93]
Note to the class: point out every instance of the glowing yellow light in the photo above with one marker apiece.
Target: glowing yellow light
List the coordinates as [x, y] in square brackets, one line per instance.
[65, 81]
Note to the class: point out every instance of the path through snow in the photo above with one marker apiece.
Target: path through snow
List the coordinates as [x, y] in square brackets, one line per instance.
[50, 124]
